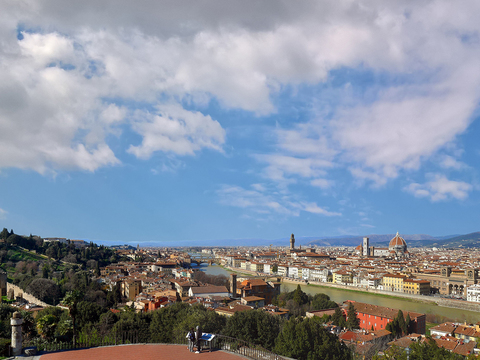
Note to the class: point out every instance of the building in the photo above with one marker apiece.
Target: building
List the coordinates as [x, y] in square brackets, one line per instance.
[396, 247]
[254, 301]
[393, 282]
[342, 277]
[450, 280]
[131, 288]
[258, 287]
[377, 317]
[473, 293]
[366, 247]
[209, 290]
[416, 287]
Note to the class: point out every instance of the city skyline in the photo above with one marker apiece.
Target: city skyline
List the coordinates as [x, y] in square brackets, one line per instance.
[154, 121]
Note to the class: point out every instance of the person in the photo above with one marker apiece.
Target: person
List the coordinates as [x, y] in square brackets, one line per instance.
[198, 336]
[191, 339]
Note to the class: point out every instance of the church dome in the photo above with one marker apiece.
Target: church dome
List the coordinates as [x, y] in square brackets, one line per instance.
[397, 244]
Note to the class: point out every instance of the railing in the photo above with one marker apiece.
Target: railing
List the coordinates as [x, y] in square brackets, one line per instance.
[220, 342]
[244, 348]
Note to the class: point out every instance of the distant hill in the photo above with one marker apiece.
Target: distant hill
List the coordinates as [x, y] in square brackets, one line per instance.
[380, 240]
[471, 240]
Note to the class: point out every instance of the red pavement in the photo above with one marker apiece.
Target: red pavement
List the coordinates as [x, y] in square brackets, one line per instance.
[143, 352]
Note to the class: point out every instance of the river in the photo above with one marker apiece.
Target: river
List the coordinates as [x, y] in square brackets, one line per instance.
[434, 312]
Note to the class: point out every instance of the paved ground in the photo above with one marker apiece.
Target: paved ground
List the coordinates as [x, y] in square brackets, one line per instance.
[139, 351]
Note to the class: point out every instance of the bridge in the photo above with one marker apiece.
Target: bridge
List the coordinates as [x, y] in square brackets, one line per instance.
[203, 258]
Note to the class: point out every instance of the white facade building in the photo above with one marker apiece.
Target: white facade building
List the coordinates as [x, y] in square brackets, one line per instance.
[473, 293]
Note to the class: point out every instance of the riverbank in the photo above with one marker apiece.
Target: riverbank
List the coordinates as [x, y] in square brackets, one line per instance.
[431, 300]
[386, 294]
[438, 301]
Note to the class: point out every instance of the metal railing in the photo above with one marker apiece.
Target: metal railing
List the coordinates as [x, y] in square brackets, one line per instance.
[244, 348]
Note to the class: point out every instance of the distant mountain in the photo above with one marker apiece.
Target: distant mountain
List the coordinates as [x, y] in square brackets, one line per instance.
[468, 240]
[380, 240]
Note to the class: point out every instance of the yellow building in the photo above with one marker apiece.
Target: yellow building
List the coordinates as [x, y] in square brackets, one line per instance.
[131, 288]
[255, 266]
[393, 282]
[341, 277]
[417, 287]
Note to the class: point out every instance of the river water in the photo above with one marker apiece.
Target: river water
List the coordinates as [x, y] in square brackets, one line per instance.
[434, 313]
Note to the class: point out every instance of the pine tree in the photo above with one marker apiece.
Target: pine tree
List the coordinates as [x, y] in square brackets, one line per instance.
[408, 324]
[402, 326]
[338, 319]
[353, 322]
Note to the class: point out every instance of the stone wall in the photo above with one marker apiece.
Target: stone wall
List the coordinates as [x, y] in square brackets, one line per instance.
[30, 298]
[459, 304]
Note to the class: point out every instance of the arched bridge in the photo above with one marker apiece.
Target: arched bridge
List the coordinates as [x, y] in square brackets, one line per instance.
[204, 258]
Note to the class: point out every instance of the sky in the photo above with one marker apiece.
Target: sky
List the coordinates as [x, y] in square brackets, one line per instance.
[198, 120]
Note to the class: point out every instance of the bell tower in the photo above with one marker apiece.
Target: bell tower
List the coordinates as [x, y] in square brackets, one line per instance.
[292, 242]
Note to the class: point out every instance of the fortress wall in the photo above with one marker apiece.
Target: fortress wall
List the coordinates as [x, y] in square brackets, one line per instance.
[30, 298]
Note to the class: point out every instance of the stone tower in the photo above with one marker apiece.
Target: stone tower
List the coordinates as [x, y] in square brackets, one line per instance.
[366, 247]
[233, 285]
[292, 242]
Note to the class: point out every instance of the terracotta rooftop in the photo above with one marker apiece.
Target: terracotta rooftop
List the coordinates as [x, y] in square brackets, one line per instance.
[143, 351]
[381, 311]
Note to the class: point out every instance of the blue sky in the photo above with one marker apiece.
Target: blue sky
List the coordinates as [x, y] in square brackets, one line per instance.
[158, 121]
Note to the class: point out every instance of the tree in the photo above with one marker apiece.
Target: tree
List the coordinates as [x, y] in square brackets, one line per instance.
[306, 339]
[46, 326]
[338, 319]
[275, 268]
[353, 322]
[299, 296]
[255, 326]
[402, 326]
[408, 324]
[322, 301]
[4, 234]
[45, 290]
[71, 300]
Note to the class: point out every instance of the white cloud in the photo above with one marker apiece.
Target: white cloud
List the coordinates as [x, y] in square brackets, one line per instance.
[176, 130]
[322, 183]
[315, 209]
[3, 214]
[56, 81]
[263, 202]
[256, 200]
[449, 162]
[281, 168]
[440, 188]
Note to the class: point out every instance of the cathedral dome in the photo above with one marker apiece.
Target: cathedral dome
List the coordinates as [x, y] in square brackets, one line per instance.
[397, 244]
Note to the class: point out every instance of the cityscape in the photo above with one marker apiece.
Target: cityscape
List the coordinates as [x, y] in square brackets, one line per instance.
[372, 301]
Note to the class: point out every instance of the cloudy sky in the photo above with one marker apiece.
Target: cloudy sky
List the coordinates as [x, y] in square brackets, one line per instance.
[197, 120]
